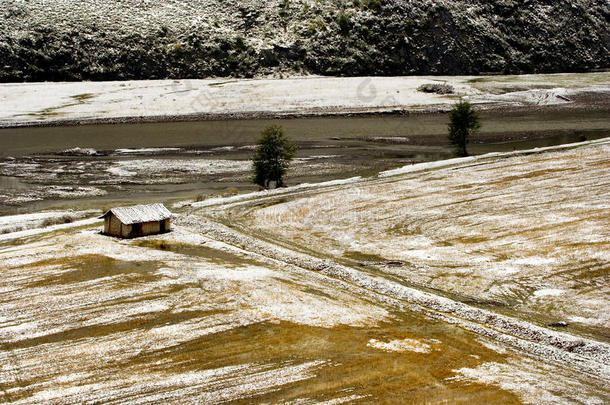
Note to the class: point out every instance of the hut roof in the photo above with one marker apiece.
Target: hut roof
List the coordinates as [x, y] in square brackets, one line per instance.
[140, 213]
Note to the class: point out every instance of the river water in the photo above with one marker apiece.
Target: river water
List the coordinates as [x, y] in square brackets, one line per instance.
[124, 163]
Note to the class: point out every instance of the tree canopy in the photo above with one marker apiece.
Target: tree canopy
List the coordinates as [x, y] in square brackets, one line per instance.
[272, 157]
[464, 122]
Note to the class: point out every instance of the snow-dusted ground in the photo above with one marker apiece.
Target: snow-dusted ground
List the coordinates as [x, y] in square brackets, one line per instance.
[209, 314]
[530, 381]
[23, 222]
[100, 307]
[16, 233]
[184, 317]
[525, 234]
[47, 102]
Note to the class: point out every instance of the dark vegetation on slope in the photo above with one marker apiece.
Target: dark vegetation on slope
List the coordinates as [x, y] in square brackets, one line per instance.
[117, 40]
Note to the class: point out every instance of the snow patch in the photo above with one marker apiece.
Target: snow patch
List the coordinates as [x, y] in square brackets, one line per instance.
[118, 171]
[535, 261]
[264, 193]
[79, 152]
[549, 292]
[418, 167]
[161, 167]
[145, 150]
[533, 383]
[401, 345]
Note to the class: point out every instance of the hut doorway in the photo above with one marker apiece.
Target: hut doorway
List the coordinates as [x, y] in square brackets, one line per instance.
[136, 230]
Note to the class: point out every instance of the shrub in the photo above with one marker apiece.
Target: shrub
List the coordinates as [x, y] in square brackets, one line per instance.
[229, 192]
[344, 23]
[372, 4]
[438, 88]
[4, 231]
[64, 219]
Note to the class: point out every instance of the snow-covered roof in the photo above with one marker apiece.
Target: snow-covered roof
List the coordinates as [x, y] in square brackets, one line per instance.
[140, 213]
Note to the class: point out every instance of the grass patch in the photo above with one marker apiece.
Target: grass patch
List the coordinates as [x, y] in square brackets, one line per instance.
[83, 97]
[4, 231]
[363, 257]
[64, 219]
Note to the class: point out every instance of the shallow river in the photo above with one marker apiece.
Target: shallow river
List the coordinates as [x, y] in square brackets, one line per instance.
[184, 160]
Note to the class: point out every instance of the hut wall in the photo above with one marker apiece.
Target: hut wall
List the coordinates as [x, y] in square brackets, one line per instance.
[167, 226]
[112, 225]
[149, 228]
[126, 231]
[115, 225]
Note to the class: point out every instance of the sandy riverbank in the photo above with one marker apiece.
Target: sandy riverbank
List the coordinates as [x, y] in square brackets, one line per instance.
[40, 104]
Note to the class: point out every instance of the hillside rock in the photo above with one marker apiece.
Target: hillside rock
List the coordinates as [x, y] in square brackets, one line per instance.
[154, 39]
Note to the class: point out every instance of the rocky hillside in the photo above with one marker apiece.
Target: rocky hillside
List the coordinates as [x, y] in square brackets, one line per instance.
[138, 39]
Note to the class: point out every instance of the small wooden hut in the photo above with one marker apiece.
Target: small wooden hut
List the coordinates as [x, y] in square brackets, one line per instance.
[140, 220]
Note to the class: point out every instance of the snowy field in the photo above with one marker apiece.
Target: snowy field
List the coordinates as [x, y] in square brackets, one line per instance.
[309, 297]
[47, 102]
[525, 235]
[183, 317]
